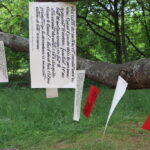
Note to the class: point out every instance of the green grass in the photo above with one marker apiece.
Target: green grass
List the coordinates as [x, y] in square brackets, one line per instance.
[29, 121]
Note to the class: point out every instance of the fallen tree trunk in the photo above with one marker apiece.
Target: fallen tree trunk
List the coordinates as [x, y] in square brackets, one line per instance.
[136, 73]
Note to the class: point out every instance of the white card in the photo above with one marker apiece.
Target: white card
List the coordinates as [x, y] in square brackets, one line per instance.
[78, 94]
[52, 44]
[51, 93]
[119, 92]
[3, 65]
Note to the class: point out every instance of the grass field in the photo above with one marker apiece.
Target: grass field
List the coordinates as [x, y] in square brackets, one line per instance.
[29, 121]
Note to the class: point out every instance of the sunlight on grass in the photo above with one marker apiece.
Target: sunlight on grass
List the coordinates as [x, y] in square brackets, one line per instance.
[30, 121]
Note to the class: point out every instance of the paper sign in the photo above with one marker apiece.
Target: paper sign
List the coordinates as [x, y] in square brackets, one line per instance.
[51, 93]
[52, 44]
[78, 94]
[119, 92]
[146, 125]
[3, 66]
[93, 93]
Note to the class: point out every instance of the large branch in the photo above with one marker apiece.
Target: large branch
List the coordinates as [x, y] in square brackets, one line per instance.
[14, 42]
[137, 73]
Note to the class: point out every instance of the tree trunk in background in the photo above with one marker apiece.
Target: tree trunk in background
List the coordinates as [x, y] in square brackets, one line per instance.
[146, 26]
[144, 21]
[137, 73]
[124, 49]
[117, 33]
[55, 0]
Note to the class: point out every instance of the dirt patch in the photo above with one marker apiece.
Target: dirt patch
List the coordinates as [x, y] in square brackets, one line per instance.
[61, 145]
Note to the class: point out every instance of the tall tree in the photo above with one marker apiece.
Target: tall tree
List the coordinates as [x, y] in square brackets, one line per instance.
[107, 18]
[117, 31]
[111, 10]
[123, 38]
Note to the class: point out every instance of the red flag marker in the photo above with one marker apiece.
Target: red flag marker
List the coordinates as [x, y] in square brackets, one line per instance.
[92, 95]
[146, 125]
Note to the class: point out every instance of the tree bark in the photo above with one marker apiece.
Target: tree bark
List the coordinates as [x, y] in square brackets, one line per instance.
[123, 43]
[14, 42]
[136, 73]
[117, 33]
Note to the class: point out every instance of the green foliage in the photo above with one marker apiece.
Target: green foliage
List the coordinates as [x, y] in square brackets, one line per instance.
[135, 27]
[14, 20]
[17, 62]
[14, 17]
[90, 45]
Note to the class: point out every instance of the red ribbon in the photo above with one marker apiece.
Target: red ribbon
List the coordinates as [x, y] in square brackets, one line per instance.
[146, 125]
[92, 95]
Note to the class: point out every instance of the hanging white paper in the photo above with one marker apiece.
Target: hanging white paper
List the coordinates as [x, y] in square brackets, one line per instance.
[3, 65]
[52, 44]
[78, 94]
[51, 93]
[119, 92]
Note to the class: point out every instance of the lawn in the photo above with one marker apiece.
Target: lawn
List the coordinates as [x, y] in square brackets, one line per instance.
[29, 121]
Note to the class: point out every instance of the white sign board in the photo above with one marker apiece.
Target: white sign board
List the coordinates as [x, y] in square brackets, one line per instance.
[51, 93]
[52, 44]
[3, 66]
[78, 94]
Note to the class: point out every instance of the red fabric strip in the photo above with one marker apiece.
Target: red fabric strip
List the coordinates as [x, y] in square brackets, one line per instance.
[92, 95]
[146, 125]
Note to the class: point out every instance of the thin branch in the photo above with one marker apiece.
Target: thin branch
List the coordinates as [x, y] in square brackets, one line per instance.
[98, 26]
[4, 6]
[136, 48]
[110, 3]
[98, 34]
[105, 8]
[141, 3]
